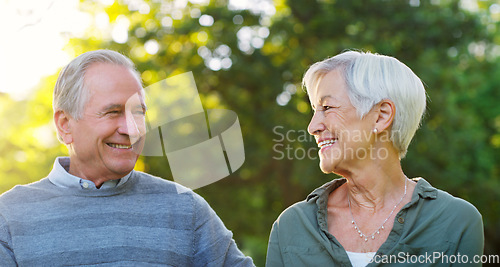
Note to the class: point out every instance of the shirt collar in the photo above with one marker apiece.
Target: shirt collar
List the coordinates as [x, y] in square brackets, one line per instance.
[328, 187]
[423, 188]
[320, 197]
[60, 176]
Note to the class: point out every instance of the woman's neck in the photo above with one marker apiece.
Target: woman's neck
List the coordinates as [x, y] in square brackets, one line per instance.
[374, 187]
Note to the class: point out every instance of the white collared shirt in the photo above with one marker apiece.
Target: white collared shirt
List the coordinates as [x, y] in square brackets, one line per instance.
[360, 259]
[62, 178]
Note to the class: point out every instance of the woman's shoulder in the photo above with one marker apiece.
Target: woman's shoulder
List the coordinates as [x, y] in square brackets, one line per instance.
[299, 211]
[305, 212]
[446, 203]
[457, 206]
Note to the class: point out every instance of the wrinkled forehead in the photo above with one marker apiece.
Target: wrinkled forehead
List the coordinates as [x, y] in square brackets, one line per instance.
[108, 76]
[328, 85]
[113, 85]
[317, 88]
[313, 85]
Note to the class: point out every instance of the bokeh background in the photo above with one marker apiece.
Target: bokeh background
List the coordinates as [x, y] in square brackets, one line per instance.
[249, 57]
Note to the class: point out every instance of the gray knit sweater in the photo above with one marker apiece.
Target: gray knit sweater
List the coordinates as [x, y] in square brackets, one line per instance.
[147, 221]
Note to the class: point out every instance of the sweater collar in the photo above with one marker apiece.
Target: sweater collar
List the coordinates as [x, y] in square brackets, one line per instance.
[60, 177]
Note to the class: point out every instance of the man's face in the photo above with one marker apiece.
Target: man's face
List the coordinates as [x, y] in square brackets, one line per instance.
[109, 137]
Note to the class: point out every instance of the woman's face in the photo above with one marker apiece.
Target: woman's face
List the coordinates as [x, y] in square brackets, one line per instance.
[345, 140]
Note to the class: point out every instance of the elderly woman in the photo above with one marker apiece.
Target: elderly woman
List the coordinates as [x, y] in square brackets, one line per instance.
[367, 108]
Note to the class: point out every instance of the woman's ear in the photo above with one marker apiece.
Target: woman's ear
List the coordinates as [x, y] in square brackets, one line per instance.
[387, 111]
[61, 120]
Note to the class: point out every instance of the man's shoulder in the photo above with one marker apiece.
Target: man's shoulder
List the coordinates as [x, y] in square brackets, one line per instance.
[168, 193]
[148, 183]
[22, 192]
[154, 182]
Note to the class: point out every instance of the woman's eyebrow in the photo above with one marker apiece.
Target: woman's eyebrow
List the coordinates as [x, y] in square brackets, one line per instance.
[327, 97]
[323, 98]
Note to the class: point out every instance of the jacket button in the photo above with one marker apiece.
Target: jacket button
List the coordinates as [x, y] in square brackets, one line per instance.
[401, 220]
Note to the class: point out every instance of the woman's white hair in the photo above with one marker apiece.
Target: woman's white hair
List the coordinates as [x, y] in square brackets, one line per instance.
[370, 78]
[70, 94]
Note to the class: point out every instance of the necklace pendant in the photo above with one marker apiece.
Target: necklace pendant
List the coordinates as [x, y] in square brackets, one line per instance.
[372, 236]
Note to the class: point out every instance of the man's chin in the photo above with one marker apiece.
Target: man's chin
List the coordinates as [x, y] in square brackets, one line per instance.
[122, 167]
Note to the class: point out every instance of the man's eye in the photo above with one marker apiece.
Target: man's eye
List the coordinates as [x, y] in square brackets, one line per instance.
[140, 112]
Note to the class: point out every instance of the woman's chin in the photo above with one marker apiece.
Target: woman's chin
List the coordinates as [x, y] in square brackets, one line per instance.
[329, 160]
[327, 166]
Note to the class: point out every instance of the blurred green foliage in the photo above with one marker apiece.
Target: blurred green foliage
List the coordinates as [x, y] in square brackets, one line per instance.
[252, 60]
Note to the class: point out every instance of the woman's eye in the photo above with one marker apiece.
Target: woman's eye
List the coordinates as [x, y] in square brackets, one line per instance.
[325, 108]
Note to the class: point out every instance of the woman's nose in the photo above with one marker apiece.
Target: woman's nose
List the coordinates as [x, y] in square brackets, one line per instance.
[316, 124]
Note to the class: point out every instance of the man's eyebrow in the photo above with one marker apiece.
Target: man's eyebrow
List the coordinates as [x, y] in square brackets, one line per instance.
[112, 106]
[142, 106]
[120, 106]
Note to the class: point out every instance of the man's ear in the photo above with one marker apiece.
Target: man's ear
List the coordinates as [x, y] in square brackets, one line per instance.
[61, 120]
[386, 113]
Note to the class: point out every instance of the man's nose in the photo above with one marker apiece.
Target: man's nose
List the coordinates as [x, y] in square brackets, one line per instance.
[131, 125]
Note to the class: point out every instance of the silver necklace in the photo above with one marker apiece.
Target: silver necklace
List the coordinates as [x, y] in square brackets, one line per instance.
[372, 236]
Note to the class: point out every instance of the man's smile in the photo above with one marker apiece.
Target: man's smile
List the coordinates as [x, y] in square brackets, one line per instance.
[121, 146]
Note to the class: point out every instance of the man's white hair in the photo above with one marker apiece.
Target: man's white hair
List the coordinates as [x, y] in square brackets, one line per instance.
[70, 94]
[370, 78]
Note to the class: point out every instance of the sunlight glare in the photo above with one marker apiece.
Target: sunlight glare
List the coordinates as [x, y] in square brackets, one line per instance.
[33, 41]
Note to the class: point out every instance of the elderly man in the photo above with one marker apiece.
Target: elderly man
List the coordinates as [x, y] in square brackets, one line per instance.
[93, 208]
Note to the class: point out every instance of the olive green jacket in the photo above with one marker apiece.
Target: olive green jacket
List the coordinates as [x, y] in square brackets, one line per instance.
[433, 229]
